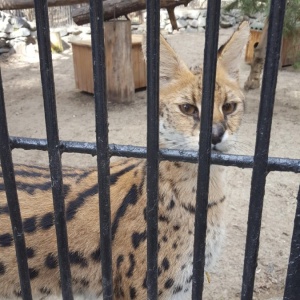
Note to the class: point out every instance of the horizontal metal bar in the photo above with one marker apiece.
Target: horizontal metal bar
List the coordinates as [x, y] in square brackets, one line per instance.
[240, 161]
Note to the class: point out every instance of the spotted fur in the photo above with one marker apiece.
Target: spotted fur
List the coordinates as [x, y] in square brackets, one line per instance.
[180, 92]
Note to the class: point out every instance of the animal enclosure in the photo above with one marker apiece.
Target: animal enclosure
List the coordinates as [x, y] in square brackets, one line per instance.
[261, 163]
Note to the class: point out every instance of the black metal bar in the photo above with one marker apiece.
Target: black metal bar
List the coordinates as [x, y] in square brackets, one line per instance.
[46, 69]
[12, 200]
[292, 284]
[153, 19]
[240, 161]
[260, 167]
[98, 48]
[207, 104]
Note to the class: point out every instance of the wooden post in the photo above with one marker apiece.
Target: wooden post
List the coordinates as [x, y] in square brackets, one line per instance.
[119, 73]
[253, 81]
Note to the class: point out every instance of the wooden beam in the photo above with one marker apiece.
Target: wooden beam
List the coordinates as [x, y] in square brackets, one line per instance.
[24, 4]
[116, 8]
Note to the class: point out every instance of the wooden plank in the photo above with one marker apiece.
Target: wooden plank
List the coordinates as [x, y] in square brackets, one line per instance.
[138, 61]
[119, 74]
[83, 67]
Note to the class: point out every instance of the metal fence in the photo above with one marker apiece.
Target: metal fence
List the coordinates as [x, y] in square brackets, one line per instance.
[261, 163]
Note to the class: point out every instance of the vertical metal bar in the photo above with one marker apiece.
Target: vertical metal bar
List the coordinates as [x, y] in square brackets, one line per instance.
[12, 200]
[46, 68]
[98, 48]
[209, 75]
[260, 165]
[153, 19]
[292, 284]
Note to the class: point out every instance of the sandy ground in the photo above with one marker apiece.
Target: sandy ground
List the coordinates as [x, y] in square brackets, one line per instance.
[24, 105]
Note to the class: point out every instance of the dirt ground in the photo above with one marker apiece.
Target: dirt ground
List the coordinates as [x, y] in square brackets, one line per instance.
[127, 125]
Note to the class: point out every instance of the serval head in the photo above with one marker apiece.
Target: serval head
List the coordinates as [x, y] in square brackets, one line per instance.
[181, 93]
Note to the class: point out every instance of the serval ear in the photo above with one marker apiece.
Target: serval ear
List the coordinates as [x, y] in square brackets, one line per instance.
[229, 54]
[171, 66]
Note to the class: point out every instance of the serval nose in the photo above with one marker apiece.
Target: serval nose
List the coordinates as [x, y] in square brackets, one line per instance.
[218, 131]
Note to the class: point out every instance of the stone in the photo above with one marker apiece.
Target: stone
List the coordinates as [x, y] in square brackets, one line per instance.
[4, 35]
[62, 31]
[201, 22]
[142, 28]
[169, 29]
[4, 50]
[193, 23]
[33, 34]
[191, 30]
[32, 25]
[86, 29]
[182, 30]
[164, 15]
[181, 23]
[19, 22]
[193, 14]
[179, 14]
[2, 43]
[22, 32]
[6, 27]
[20, 48]
[203, 13]
[134, 27]
[162, 24]
[74, 30]
[225, 24]
[227, 21]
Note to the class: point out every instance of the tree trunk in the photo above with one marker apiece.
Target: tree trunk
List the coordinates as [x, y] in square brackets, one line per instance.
[259, 55]
[116, 8]
[24, 4]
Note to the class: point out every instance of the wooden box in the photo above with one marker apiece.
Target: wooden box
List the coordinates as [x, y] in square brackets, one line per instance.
[83, 66]
[290, 48]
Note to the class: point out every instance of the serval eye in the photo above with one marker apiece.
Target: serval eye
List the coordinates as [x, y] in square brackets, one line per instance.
[229, 108]
[189, 109]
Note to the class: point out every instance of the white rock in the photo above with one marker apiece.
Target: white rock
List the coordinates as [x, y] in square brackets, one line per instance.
[193, 23]
[4, 35]
[162, 24]
[63, 32]
[32, 25]
[19, 22]
[74, 30]
[181, 23]
[191, 30]
[203, 13]
[86, 29]
[169, 29]
[22, 32]
[193, 14]
[6, 27]
[202, 21]
[33, 34]
[20, 48]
